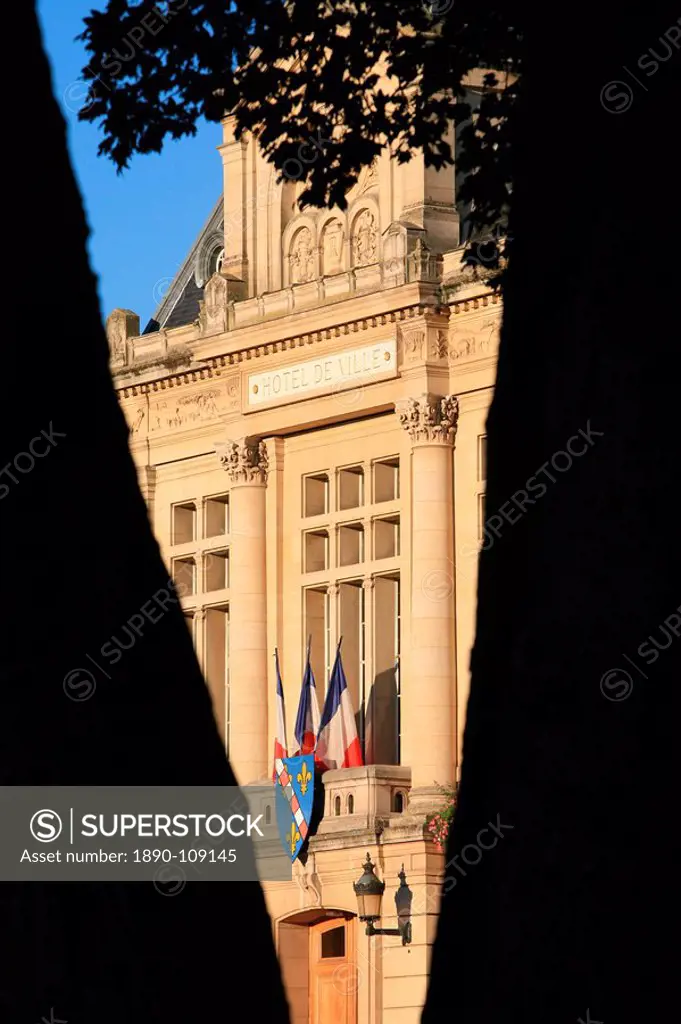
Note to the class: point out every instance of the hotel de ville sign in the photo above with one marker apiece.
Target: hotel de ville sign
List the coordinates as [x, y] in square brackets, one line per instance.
[350, 368]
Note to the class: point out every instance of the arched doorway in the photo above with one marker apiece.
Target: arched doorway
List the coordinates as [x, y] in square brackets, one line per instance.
[317, 952]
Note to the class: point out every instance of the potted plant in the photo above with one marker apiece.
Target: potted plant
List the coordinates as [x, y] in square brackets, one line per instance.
[438, 823]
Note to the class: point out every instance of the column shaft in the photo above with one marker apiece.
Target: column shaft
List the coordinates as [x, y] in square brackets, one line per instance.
[246, 462]
[429, 690]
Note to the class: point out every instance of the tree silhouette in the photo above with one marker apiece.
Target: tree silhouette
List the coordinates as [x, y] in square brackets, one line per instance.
[308, 74]
[79, 560]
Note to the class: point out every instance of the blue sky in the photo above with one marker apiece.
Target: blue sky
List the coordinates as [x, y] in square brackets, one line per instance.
[142, 222]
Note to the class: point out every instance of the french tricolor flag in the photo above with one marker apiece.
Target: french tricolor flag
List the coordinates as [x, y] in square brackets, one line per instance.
[307, 720]
[338, 743]
[280, 745]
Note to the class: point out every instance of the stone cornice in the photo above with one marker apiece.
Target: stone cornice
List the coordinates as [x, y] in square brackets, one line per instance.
[213, 366]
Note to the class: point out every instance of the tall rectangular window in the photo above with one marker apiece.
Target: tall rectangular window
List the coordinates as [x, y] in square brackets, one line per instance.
[217, 516]
[343, 541]
[216, 662]
[350, 544]
[184, 575]
[387, 537]
[316, 550]
[383, 713]
[317, 627]
[350, 487]
[315, 494]
[387, 480]
[183, 523]
[351, 625]
[215, 570]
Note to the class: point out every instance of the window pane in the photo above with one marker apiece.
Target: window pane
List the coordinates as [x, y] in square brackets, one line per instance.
[316, 627]
[387, 480]
[216, 657]
[382, 727]
[351, 621]
[184, 575]
[333, 943]
[387, 537]
[316, 551]
[351, 544]
[215, 570]
[350, 487]
[184, 523]
[217, 516]
[316, 495]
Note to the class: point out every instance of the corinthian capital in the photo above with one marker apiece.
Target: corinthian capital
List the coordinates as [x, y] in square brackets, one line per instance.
[245, 460]
[429, 418]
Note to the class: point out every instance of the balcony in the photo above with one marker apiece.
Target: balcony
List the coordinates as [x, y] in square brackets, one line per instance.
[361, 800]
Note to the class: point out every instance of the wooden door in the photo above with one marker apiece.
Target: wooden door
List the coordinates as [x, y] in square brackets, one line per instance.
[333, 972]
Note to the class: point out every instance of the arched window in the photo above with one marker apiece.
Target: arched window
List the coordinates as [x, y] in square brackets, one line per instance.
[217, 258]
[268, 815]
[398, 803]
[351, 804]
[337, 806]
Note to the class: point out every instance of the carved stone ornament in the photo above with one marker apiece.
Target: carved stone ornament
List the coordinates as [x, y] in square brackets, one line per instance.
[429, 418]
[423, 265]
[186, 410]
[137, 421]
[308, 880]
[372, 172]
[437, 345]
[413, 345]
[463, 347]
[245, 460]
[302, 257]
[365, 240]
[121, 325]
[332, 248]
[213, 307]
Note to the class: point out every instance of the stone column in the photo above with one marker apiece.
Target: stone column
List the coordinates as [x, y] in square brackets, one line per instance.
[246, 463]
[429, 686]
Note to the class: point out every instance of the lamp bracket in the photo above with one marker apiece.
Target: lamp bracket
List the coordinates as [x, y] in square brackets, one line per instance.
[404, 932]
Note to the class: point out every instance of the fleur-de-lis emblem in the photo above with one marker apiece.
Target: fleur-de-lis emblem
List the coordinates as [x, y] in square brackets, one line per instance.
[293, 837]
[303, 777]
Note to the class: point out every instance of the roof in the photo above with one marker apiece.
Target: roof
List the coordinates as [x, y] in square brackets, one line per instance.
[180, 304]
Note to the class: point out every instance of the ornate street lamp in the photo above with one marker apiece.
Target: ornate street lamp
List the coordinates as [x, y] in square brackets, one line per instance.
[369, 892]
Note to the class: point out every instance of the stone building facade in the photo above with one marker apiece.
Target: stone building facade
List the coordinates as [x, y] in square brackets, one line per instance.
[307, 416]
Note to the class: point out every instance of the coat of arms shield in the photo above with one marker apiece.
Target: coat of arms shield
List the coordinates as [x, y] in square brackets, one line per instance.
[294, 800]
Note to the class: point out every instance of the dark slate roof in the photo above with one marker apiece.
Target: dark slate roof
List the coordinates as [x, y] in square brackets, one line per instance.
[180, 305]
[187, 308]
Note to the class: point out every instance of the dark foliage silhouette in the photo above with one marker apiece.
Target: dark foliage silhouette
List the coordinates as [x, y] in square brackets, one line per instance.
[306, 75]
[79, 560]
